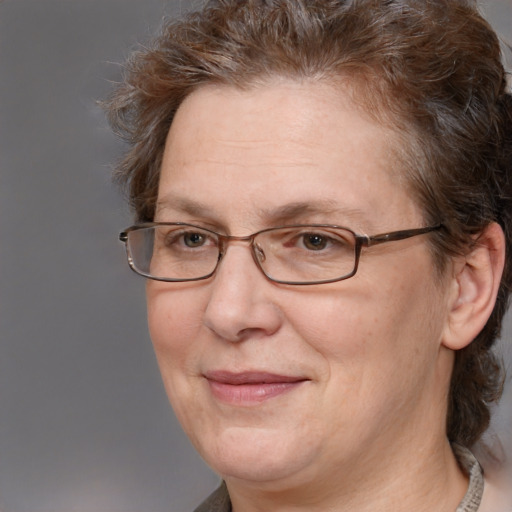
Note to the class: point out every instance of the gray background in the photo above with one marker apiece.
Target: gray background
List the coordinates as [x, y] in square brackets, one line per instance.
[84, 422]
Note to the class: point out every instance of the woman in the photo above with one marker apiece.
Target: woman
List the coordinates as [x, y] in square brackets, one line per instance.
[322, 195]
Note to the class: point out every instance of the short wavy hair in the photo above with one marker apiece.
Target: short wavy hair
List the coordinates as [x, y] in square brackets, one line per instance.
[432, 70]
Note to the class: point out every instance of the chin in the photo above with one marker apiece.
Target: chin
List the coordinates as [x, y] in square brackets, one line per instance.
[257, 455]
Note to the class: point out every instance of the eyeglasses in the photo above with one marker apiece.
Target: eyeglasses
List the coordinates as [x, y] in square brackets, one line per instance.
[297, 255]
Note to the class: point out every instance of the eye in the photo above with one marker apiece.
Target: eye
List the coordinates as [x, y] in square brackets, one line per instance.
[314, 241]
[192, 239]
[183, 239]
[321, 241]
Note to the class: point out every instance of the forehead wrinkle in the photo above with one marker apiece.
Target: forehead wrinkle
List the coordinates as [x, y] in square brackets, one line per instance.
[244, 153]
[263, 162]
[303, 210]
[290, 137]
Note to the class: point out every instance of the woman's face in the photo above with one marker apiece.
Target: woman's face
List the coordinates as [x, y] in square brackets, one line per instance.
[281, 384]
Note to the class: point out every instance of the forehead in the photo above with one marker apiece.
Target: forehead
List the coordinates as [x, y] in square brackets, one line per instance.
[285, 111]
[278, 144]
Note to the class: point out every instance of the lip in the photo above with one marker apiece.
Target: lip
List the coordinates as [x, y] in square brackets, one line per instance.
[250, 387]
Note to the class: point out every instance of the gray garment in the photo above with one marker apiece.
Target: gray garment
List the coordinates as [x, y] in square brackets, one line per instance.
[219, 500]
[470, 465]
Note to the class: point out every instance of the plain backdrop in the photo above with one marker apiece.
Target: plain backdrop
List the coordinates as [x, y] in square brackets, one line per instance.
[85, 425]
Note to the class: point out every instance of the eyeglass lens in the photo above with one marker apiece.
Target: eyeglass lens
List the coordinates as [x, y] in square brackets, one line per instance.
[290, 254]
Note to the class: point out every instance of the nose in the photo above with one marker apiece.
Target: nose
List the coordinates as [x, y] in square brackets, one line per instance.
[240, 304]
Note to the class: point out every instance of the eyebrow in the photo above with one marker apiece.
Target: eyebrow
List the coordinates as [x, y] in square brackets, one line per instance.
[183, 205]
[293, 212]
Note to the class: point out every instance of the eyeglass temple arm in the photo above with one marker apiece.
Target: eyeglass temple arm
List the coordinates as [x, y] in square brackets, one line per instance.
[399, 235]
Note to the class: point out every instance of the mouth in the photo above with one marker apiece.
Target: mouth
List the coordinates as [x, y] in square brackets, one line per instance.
[250, 388]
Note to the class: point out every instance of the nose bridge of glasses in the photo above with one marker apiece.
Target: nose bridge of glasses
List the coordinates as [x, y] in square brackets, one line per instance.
[256, 250]
[225, 240]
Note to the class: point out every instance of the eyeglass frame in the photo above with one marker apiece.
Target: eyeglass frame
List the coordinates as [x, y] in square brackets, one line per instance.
[360, 242]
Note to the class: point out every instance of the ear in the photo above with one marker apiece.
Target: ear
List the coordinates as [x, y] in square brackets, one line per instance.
[474, 286]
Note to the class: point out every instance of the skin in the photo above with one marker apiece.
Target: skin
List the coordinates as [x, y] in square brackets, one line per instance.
[364, 430]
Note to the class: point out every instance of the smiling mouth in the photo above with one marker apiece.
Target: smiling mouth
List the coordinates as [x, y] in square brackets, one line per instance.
[250, 388]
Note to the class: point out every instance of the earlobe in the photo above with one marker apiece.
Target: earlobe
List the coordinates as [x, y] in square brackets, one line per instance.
[475, 282]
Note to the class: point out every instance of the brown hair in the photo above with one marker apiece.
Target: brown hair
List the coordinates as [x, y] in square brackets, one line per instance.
[431, 69]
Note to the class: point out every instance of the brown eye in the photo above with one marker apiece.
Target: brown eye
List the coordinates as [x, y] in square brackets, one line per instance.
[314, 241]
[193, 239]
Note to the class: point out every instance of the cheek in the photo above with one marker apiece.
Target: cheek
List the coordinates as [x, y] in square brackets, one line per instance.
[174, 318]
[339, 323]
[366, 328]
